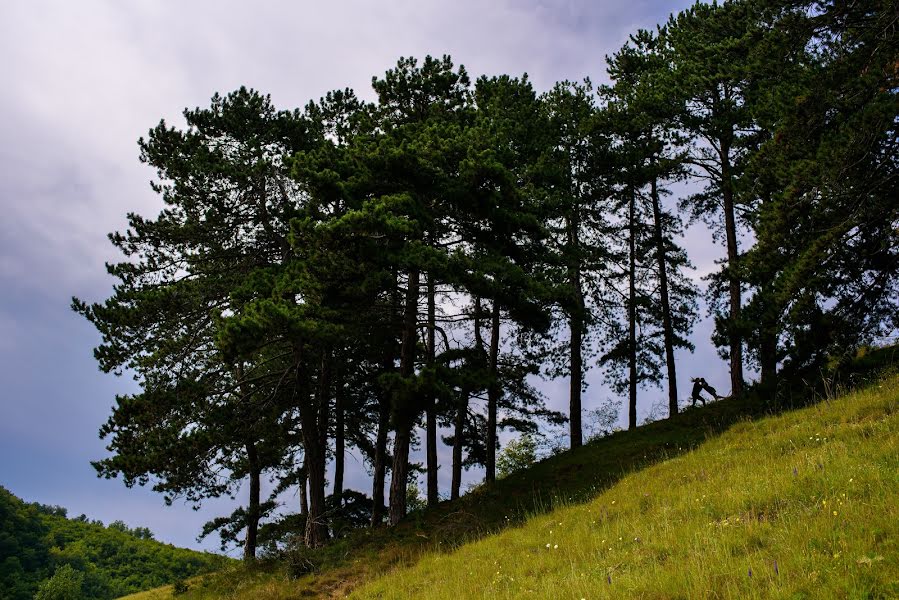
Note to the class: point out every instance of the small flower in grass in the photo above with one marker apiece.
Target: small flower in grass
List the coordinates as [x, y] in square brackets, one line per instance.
[547, 545]
[834, 513]
[555, 547]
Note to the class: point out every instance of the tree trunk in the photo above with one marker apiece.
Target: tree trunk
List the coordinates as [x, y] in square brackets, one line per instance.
[493, 394]
[400, 475]
[667, 327]
[324, 402]
[339, 433]
[632, 313]
[380, 458]
[576, 326]
[730, 226]
[304, 498]
[768, 346]
[380, 466]
[403, 409]
[768, 360]
[458, 434]
[316, 527]
[249, 549]
[254, 470]
[316, 530]
[431, 411]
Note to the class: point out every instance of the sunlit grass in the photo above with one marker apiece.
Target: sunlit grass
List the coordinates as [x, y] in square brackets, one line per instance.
[804, 505]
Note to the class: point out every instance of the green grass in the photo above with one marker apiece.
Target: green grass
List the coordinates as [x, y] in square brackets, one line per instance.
[682, 508]
[805, 505]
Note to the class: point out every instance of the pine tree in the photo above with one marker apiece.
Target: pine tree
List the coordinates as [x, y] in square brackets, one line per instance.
[707, 49]
[644, 116]
[576, 181]
[228, 202]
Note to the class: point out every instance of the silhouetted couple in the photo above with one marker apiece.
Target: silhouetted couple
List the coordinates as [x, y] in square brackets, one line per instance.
[700, 384]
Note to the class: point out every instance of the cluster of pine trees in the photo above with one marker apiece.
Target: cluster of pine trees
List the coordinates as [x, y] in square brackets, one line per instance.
[335, 276]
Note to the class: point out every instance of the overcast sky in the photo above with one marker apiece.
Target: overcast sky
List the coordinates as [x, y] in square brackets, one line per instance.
[83, 80]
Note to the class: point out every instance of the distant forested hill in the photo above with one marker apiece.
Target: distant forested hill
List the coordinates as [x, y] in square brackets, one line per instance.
[110, 561]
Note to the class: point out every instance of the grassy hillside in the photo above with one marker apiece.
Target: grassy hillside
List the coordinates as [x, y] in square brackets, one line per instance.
[676, 509]
[805, 505]
[110, 561]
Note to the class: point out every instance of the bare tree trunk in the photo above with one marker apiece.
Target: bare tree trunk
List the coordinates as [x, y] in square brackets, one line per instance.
[493, 394]
[254, 470]
[667, 327]
[730, 226]
[768, 360]
[339, 433]
[632, 313]
[458, 434]
[768, 329]
[316, 530]
[304, 478]
[431, 411]
[576, 326]
[380, 458]
[400, 475]
[249, 550]
[324, 402]
[404, 414]
[380, 466]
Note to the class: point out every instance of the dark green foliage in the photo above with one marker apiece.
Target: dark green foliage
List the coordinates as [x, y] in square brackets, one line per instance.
[828, 232]
[24, 555]
[44, 553]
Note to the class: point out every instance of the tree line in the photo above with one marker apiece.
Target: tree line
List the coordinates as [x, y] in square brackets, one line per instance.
[43, 551]
[337, 276]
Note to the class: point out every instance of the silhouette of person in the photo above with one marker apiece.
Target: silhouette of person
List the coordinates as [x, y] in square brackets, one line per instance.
[700, 385]
[696, 394]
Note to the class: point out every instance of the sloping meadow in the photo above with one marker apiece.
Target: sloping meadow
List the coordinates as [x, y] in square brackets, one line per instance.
[802, 505]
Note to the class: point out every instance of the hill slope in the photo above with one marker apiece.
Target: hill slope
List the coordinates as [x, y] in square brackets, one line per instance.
[114, 560]
[804, 505]
[694, 509]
